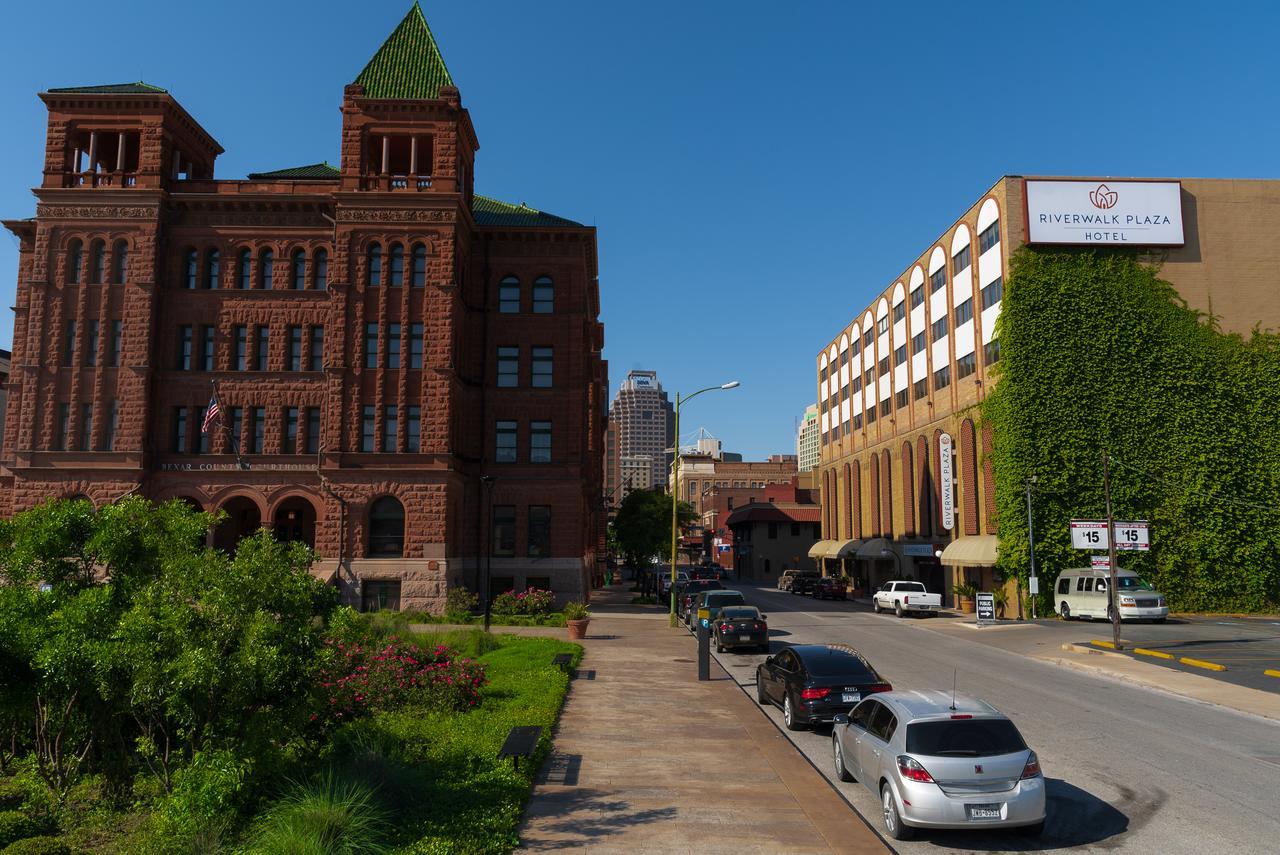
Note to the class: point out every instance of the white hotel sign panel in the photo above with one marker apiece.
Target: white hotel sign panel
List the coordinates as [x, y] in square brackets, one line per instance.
[1138, 213]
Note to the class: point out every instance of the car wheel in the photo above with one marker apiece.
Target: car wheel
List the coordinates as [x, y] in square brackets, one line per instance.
[875, 606]
[760, 696]
[1032, 830]
[1065, 610]
[789, 715]
[719, 647]
[892, 821]
[897, 609]
[838, 756]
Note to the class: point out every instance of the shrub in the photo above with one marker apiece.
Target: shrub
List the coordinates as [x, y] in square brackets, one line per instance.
[460, 602]
[575, 611]
[15, 825]
[366, 675]
[206, 793]
[532, 601]
[12, 793]
[329, 817]
[965, 589]
[42, 845]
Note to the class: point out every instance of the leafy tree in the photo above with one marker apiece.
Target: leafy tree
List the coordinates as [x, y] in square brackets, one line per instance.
[643, 525]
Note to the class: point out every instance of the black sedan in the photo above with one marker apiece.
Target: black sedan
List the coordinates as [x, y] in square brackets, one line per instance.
[691, 590]
[740, 626]
[830, 587]
[803, 583]
[814, 682]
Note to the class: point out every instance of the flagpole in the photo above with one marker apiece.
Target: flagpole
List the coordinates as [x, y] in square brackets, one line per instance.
[235, 442]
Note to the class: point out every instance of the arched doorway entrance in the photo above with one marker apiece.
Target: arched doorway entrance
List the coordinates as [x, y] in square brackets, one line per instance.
[295, 520]
[243, 519]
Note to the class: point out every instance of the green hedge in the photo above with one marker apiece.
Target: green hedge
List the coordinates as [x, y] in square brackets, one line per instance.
[1098, 353]
[41, 845]
[15, 825]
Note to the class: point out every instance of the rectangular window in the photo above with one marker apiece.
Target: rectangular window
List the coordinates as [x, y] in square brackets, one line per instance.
[868, 337]
[886, 407]
[540, 442]
[922, 388]
[508, 367]
[961, 260]
[882, 325]
[64, 425]
[870, 376]
[313, 430]
[989, 237]
[899, 312]
[993, 293]
[855, 346]
[264, 341]
[991, 353]
[380, 596]
[940, 328]
[964, 312]
[539, 531]
[370, 345]
[183, 360]
[259, 429]
[366, 428]
[415, 345]
[113, 420]
[69, 345]
[544, 296]
[505, 447]
[178, 442]
[413, 429]
[237, 428]
[206, 348]
[290, 430]
[844, 357]
[509, 296]
[542, 365]
[241, 334]
[91, 346]
[857, 384]
[773, 531]
[871, 414]
[966, 365]
[917, 296]
[504, 530]
[937, 280]
[117, 343]
[86, 426]
[884, 366]
[317, 349]
[393, 345]
[390, 427]
[942, 378]
[900, 399]
[295, 348]
[202, 438]
[900, 355]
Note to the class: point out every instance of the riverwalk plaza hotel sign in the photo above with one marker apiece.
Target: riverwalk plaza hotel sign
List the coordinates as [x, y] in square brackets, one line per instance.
[1138, 213]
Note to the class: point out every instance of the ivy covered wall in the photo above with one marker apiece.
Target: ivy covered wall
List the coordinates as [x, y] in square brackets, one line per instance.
[1098, 353]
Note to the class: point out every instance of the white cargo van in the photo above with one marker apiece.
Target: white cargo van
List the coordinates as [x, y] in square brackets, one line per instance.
[1082, 593]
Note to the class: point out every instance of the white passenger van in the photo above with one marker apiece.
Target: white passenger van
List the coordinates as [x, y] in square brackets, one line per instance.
[1082, 593]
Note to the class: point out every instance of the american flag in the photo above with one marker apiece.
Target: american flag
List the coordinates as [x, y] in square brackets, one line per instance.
[211, 414]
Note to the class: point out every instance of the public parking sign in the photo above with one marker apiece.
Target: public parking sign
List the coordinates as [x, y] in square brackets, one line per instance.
[986, 608]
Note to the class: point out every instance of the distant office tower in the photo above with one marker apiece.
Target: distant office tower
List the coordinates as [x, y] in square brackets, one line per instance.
[808, 448]
[645, 424]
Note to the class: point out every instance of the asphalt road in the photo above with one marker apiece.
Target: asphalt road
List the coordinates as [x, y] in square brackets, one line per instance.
[1128, 769]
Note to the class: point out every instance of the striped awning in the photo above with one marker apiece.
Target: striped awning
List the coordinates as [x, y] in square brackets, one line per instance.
[975, 551]
[819, 549]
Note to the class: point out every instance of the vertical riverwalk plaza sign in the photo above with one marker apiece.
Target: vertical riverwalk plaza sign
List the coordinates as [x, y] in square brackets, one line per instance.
[1137, 213]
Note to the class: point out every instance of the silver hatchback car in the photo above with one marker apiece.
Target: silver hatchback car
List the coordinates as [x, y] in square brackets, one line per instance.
[939, 762]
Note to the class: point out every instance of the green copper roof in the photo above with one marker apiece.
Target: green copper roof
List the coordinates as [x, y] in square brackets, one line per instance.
[491, 212]
[408, 65]
[138, 88]
[295, 173]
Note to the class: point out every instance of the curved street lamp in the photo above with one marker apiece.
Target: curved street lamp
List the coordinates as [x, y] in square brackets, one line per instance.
[675, 486]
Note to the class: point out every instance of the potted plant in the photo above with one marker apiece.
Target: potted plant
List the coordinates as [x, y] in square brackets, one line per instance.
[966, 591]
[576, 617]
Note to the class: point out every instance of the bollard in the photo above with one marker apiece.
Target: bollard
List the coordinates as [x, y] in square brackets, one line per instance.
[704, 651]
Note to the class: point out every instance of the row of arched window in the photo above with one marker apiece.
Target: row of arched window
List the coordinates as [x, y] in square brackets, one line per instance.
[395, 262]
[95, 270]
[204, 270]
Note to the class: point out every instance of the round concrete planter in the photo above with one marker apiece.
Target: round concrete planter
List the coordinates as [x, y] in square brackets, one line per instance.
[578, 628]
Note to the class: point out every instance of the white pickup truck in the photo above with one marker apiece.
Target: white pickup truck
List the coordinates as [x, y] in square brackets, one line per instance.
[904, 597]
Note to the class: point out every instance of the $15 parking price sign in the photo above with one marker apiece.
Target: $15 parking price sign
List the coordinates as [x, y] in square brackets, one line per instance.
[1092, 534]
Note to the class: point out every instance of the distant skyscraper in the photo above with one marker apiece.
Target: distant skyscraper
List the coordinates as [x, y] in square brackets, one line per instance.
[808, 447]
[645, 424]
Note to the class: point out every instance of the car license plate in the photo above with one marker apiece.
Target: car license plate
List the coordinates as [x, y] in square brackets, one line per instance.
[981, 812]
[851, 697]
[744, 638]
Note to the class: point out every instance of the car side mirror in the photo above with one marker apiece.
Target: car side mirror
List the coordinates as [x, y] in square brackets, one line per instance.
[840, 718]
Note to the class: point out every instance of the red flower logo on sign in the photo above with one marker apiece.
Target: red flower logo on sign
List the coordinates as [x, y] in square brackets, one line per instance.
[1104, 197]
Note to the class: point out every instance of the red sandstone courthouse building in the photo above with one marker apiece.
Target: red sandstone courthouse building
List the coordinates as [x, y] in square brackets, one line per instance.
[383, 340]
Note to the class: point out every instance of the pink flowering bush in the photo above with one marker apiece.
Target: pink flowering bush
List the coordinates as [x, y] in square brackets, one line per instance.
[533, 601]
[363, 674]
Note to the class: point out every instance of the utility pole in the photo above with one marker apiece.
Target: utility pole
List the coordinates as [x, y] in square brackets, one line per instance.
[1031, 542]
[1113, 604]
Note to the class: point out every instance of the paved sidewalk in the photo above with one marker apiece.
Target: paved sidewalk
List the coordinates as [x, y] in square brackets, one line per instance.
[647, 759]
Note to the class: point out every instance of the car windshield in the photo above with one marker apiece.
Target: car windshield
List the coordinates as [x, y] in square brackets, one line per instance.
[1132, 583]
[728, 598]
[974, 737]
[836, 663]
[741, 613]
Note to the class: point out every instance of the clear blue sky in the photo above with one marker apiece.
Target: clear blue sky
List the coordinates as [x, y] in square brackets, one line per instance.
[757, 170]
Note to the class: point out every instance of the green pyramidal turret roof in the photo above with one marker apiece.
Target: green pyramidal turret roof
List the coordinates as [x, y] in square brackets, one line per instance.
[408, 65]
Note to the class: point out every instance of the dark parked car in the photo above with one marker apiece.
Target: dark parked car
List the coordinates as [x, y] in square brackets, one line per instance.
[815, 682]
[691, 589]
[830, 587]
[711, 602]
[803, 583]
[740, 626]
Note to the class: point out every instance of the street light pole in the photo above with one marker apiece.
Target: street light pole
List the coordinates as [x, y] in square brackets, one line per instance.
[675, 487]
[1031, 543]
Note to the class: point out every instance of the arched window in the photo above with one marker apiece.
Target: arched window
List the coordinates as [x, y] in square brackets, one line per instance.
[544, 295]
[386, 528]
[120, 262]
[266, 267]
[509, 295]
[375, 266]
[397, 265]
[74, 253]
[320, 269]
[245, 273]
[299, 270]
[419, 266]
[189, 271]
[212, 268]
[97, 262]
